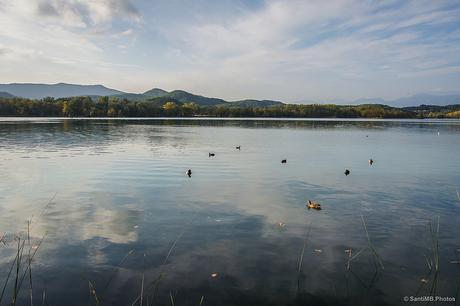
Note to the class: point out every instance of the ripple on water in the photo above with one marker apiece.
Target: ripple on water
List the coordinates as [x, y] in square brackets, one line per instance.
[121, 186]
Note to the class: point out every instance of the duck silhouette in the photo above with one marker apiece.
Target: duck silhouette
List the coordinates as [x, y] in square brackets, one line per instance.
[189, 172]
[347, 172]
[284, 161]
[212, 154]
[371, 161]
[238, 147]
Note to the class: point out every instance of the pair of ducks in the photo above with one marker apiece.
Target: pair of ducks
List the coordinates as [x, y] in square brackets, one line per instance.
[347, 172]
[214, 154]
[189, 171]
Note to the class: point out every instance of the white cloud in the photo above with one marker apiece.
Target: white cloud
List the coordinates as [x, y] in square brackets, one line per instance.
[87, 12]
[309, 44]
[286, 50]
[60, 40]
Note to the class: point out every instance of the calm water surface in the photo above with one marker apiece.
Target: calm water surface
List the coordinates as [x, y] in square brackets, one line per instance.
[115, 204]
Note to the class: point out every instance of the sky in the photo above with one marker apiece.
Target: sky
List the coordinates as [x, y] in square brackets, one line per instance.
[286, 50]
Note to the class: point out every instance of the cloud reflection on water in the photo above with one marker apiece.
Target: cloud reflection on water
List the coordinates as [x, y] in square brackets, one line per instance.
[122, 187]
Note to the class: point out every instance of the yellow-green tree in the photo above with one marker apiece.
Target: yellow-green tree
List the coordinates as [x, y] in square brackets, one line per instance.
[170, 108]
[65, 108]
[190, 109]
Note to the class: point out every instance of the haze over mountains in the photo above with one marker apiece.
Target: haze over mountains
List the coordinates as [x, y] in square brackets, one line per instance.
[62, 90]
[415, 100]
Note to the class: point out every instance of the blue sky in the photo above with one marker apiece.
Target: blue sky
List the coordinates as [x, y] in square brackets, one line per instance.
[287, 50]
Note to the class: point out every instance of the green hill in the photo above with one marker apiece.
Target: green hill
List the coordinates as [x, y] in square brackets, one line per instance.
[155, 92]
[181, 96]
[184, 96]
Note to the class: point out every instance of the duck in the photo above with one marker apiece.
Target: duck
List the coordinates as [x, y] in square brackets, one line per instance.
[313, 205]
[371, 161]
[347, 172]
[238, 147]
[189, 172]
[212, 154]
[284, 161]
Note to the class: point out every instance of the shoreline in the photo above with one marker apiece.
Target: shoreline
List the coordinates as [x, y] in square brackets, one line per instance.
[201, 118]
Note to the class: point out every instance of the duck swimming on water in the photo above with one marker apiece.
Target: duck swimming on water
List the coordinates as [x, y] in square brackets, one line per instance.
[313, 205]
[238, 147]
[212, 154]
[189, 172]
[284, 161]
[347, 172]
[371, 161]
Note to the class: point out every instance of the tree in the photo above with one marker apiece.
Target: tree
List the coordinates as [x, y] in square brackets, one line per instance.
[170, 108]
[102, 106]
[190, 109]
[65, 109]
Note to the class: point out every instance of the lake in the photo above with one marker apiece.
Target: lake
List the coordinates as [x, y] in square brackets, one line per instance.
[119, 215]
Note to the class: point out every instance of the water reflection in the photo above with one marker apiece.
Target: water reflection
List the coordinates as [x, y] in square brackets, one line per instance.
[121, 192]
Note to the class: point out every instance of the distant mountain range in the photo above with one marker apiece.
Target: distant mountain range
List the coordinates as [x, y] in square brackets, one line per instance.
[5, 95]
[156, 95]
[62, 90]
[419, 99]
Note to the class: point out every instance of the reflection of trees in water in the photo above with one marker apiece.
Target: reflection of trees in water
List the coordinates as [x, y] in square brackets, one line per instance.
[160, 136]
[55, 136]
[250, 256]
[312, 124]
[99, 134]
[95, 135]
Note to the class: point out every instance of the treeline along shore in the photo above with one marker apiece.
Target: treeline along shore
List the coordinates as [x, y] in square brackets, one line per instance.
[104, 106]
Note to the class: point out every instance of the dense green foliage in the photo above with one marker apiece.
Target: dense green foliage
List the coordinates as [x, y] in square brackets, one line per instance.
[168, 107]
[435, 111]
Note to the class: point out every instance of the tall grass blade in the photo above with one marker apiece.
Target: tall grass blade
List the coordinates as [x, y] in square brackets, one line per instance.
[92, 292]
[357, 254]
[350, 250]
[18, 269]
[30, 280]
[435, 244]
[44, 297]
[156, 283]
[143, 277]
[377, 258]
[9, 274]
[304, 247]
[43, 210]
[37, 247]
[299, 268]
[115, 270]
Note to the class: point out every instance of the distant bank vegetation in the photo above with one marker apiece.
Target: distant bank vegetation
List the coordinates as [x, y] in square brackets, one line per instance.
[167, 107]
